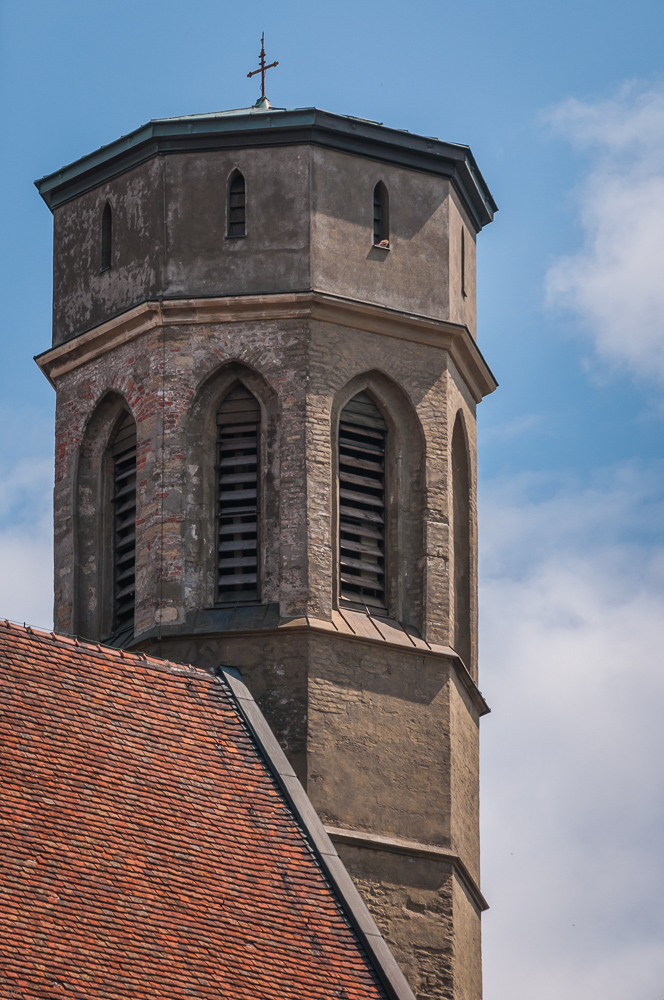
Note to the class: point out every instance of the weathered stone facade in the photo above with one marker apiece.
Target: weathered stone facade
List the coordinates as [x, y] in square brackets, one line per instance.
[379, 715]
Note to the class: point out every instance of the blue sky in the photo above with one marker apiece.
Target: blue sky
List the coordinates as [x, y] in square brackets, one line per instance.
[563, 106]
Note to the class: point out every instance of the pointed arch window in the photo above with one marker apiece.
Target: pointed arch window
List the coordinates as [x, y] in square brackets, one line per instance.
[123, 454]
[238, 436]
[381, 216]
[237, 223]
[106, 237]
[362, 446]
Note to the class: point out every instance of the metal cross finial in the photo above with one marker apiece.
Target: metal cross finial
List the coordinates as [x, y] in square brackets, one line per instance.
[263, 67]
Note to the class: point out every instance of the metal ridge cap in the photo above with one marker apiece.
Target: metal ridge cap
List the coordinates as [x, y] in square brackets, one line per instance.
[232, 112]
[388, 972]
[370, 125]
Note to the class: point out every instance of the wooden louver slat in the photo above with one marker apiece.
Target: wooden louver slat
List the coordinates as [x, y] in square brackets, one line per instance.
[238, 426]
[123, 453]
[362, 437]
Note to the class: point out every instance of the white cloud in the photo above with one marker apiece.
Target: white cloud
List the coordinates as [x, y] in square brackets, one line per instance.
[26, 522]
[26, 581]
[615, 282]
[573, 775]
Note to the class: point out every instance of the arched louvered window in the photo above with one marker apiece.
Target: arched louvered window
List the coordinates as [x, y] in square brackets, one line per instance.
[362, 442]
[106, 237]
[123, 453]
[237, 223]
[238, 428]
[381, 216]
[461, 540]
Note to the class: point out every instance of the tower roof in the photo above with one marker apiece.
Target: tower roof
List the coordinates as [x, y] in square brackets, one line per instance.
[260, 126]
[156, 841]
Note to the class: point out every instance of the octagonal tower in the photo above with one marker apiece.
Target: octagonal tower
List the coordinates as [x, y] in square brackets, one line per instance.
[265, 359]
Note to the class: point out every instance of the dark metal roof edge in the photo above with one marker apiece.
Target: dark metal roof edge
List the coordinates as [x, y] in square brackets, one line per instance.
[387, 970]
[153, 137]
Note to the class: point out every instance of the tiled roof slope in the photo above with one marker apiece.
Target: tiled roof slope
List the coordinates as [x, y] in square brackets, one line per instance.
[146, 848]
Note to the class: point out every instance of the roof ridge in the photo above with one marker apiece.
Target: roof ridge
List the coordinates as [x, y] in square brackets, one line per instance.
[100, 649]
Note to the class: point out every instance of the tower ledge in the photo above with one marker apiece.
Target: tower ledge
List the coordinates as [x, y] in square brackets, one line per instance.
[354, 625]
[411, 848]
[453, 337]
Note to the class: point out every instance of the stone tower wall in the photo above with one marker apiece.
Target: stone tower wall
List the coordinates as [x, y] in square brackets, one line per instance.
[172, 377]
[309, 224]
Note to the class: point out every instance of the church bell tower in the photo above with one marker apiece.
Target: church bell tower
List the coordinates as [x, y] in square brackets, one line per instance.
[265, 360]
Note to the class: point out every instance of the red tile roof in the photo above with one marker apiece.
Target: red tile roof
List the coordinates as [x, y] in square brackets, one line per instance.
[146, 849]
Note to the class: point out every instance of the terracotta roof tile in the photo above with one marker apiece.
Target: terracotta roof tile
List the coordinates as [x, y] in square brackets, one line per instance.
[145, 847]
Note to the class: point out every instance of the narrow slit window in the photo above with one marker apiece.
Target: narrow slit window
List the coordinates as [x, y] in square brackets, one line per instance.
[123, 453]
[106, 237]
[381, 216]
[238, 436]
[461, 541]
[237, 225]
[362, 443]
[463, 262]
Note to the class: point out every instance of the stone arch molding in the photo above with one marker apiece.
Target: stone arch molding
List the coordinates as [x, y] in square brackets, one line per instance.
[405, 493]
[93, 585]
[200, 556]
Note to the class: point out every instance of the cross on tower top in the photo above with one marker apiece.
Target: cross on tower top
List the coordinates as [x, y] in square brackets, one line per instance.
[262, 69]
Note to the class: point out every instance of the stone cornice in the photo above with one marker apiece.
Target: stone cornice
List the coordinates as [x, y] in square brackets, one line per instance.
[412, 848]
[312, 305]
